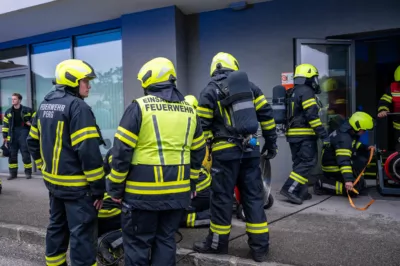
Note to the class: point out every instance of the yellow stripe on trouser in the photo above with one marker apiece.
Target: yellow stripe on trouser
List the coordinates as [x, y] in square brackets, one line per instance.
[28, 165]
[57, 147]
[260, 228]
[13, 165]
[83, 134]
[159, 175]
[151, 188]
[298, 178]
[220, 229]
[56, 260]
[339, 188]
[191, 219]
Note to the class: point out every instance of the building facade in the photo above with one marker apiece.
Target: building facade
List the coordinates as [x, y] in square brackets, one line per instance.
[118, 37]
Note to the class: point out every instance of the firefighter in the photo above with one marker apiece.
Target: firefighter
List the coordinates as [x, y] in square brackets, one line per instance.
[64, 142]
[16, 124]
[157, 153]
[198, 213]
[235, 160]
[390, 102]
[304, 128]
[345, 157]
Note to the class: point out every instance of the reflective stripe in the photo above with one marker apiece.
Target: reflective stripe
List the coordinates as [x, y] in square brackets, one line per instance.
[356, 144]
[343, 152]
[300, 132]
[109, 213]
[5, 120]
[259, 102]
[116, 176]
[198, 143]
[220, 229]
[315, 123]
[331, 169]
[395, 94]
[110, 159]
[181, 173]
[268, 125]
[27, 114]
[13, 165]
[308, 103]
[386, 98]
[159, 142]
[126, 137]
[208, 134]
[186, 141]
[222, 145]
[5, 129]
[298, 178]
[346, 169]
[84, 134]
[205, 183]
[339, 188]
[396, 125]
[194, 174]
[383, 108]
[205, 112]
[56, 260]
[242, 106]
[34, 133]
[95, 174]
[191, 219]
[260, 228]
[57, 147]
[64, 180]
[8, 138]
[41, 144]
[28, 165]
[39, 163]
[151, 188]
[158, 174]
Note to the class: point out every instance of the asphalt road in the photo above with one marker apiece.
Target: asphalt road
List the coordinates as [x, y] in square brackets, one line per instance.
[13, 253]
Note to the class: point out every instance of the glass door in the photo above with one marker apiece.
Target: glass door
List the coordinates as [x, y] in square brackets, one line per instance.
[335, 62]
[15, 81]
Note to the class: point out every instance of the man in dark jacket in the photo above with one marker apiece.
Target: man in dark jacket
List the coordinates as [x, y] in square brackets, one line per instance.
[16, 124]
[64, 141]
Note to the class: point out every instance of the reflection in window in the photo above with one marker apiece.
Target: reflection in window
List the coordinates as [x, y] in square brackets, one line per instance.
[103, 51]
[13, 58]
[44, 59]
[8, 86]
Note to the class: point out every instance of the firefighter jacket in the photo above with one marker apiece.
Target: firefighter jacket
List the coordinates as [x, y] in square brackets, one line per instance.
[337, 158]
[304, 122]
[390, 102]
[158, 149]
[8, 121]
[64, 142]
[214, 117]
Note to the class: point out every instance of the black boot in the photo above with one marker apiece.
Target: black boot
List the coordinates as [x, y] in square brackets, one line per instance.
[12, 176]
[259, 257]
[28, 175]
[204, 247]
[318, 190]
[291, 197]
[304, 194]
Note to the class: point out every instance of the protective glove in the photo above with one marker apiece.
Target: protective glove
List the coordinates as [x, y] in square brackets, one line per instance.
[268, 151]
[326, 142]
[271, 154]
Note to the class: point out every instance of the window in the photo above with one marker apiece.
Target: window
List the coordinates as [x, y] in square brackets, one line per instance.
[103, 51]
[44, 59]
[13, 58]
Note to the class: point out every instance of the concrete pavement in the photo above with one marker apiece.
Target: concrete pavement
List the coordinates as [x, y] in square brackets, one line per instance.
[328, 234]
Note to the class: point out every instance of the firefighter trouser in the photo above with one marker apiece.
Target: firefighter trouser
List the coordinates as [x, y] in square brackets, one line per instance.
[73, 222]
[106, 225]
[150, 232]
[198, 214]
[304, 157]
[18, 142]
[246, 174]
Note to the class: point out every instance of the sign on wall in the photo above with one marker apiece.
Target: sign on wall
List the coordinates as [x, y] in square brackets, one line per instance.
[287, 79]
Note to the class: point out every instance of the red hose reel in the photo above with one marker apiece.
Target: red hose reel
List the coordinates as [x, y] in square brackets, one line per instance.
[392, 167]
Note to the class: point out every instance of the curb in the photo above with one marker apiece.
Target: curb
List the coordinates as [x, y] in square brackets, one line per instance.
[37, 236]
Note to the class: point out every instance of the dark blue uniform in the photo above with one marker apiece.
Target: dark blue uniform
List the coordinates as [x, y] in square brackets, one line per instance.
[15, 130]
[65, 139]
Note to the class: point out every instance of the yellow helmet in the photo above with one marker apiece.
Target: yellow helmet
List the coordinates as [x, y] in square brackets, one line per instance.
[361, 121]
[156, 71]
[70, 72]
[397, 74]
[329, 85]
[192, 100]
[223, 61]
[305, 71]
